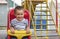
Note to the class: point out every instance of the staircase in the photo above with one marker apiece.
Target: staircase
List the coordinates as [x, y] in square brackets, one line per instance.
[44, 25]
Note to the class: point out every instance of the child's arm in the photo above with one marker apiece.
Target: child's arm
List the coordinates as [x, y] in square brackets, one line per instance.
[28, 29]
[12, 30]
[12, 26]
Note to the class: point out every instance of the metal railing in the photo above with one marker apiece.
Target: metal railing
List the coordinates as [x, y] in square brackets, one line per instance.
[30, 6]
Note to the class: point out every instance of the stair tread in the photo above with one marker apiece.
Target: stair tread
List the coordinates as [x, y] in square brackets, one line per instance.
[42, 24]
[43, 19]
[45, 35]
[40, 6]
[42, 15]
[42, 11]
[50, 33]
[46, 30]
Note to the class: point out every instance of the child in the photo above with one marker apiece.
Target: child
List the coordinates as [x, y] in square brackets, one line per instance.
[19, 23]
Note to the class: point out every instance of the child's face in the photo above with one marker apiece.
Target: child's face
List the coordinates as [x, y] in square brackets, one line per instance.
[19, 14]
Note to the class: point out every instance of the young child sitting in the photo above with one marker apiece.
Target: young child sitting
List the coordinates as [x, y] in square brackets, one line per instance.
[19, 23]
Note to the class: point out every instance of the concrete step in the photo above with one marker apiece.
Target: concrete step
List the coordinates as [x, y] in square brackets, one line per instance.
[42, 11]
[44, 33]
[53, 37]
[39, 5]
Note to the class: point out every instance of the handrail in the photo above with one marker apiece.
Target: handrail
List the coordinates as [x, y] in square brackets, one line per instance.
[34, 25]
[32, 19]
[47, 21]
[56, 13]
[35, 21]
[41, 26]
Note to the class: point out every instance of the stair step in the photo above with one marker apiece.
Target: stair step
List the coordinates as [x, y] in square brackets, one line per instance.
[42, 7]
[43, 19]
[46, 36]
[39, 17]
[45, 30]
[42, 15]
[49, 37]
[43, 4]
[42, 24]
[42, 11]
[45, 33]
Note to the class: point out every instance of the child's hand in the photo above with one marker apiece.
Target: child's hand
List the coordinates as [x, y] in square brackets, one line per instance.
[12, 30]
[28, 30]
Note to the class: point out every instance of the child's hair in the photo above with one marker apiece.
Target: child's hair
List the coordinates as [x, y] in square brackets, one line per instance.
[18, 8]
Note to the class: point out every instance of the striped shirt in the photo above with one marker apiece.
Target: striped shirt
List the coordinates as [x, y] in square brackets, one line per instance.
[19, 25]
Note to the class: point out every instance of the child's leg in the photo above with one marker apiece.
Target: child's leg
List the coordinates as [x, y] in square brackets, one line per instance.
[12, 37]
[26, 37]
